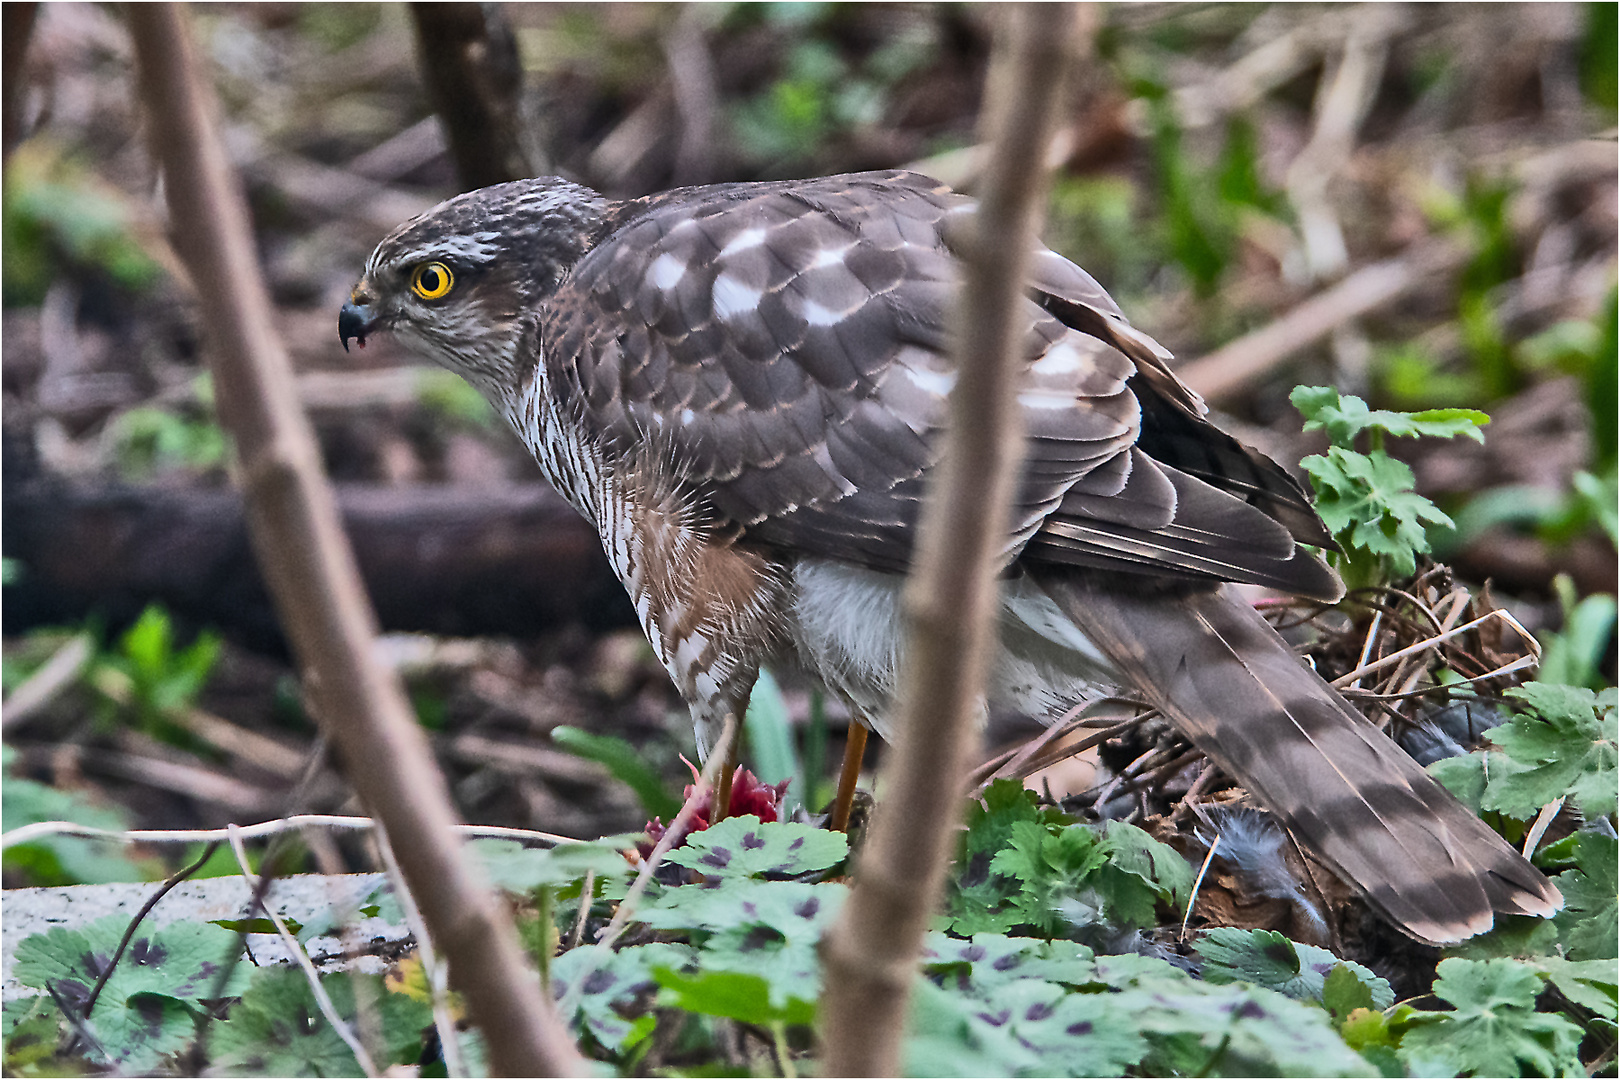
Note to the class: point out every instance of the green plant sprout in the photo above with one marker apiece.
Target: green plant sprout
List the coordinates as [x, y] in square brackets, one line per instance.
[151, 676]
[1366, 499]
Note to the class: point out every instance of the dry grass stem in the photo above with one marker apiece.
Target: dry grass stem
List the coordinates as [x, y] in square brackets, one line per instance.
[322, 999]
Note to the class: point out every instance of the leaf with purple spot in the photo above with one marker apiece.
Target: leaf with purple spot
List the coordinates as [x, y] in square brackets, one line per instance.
[745, 847]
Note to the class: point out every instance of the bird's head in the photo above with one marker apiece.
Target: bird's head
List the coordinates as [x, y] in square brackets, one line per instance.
[463, 283]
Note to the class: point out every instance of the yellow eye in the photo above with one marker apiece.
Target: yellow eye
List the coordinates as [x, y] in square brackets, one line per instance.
[432, 280]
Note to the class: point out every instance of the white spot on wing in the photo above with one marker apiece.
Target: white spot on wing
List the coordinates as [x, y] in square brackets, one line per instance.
[817, 315]
[666, 271]
[1062, 359]
[733, 298]
[938, 383]
[748, 238]
[1045, 399]
[827, 257]
[687, 416]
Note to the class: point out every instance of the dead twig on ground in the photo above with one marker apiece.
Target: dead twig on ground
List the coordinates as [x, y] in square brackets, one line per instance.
[129, 933]
[52, 677]
[301, 958]
[1237, 365]
[311, 570]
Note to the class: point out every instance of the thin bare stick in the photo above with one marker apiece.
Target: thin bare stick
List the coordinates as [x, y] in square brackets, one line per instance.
[53, 676]
[322, 999]
[1197, 883]
[310, 568]
[1236, 365]
[632, 897]
[38, 830]
[123, 942]
[1367, 646]
[1428, 643]
[438, 979]
[870, 952]
[587, 893]
[1053, 754]
[1009, 763]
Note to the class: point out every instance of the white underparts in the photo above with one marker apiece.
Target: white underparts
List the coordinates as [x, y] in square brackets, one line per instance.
[848, 626]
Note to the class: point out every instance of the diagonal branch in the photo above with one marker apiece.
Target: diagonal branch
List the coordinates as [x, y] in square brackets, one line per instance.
[310, 568]
[871, 952]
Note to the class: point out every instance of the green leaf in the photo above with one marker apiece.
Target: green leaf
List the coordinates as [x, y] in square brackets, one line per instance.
[1568, 740]
[1587, 925]
[1464, 776]
[1494, 1029]
[731, 994]
[617, 994]
[143, 1012]
[1031, 1027]
[1367, 502]
[1343, 418]
[741, 847]
[33, 1029]
[511, 866]
[985, 962]
[1131, 851]
[767, 928]
[1343, 992]
[625, 763]
[1267, 958]
[943, 1039]
[277, 1029]
[977, 899]
[1591, 984]
[1234, 1030]
[63, 860]
[1517, 936]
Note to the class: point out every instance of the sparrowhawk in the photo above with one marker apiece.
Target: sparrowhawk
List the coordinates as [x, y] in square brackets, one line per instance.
[743, 387]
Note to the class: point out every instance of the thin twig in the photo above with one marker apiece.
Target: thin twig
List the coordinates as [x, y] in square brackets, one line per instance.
[1367, 646]
[1238, 364]
[632, 897]
[1429, 643]
[1197, 882]
[53, 676]
[310, 568]
[129, 932]
[438, 978]
[587, 893]
[38, 830]
[870, 952]
[81, 1026]
[322, 999]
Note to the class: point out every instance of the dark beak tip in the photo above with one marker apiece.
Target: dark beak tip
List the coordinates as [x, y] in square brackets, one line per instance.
[354, 321]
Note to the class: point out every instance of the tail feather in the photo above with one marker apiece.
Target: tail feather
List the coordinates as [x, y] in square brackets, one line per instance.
[1349, 793]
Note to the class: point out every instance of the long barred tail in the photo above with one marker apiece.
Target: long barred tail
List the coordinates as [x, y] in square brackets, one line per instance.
[1228, 682]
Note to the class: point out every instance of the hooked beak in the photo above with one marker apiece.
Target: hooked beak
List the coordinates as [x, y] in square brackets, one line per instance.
[355, 321]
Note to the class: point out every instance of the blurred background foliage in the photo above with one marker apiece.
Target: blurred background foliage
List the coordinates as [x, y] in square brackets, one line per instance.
[1220, 166]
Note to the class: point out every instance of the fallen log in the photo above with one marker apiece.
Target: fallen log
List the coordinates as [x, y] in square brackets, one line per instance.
[512, 560]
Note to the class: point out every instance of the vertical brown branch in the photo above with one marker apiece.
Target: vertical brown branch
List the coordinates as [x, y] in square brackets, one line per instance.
[16, 30]
[871, 951]
[470, 65]
[310, 568]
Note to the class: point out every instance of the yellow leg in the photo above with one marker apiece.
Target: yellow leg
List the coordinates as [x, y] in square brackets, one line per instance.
[854, 752]
[722, 785]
